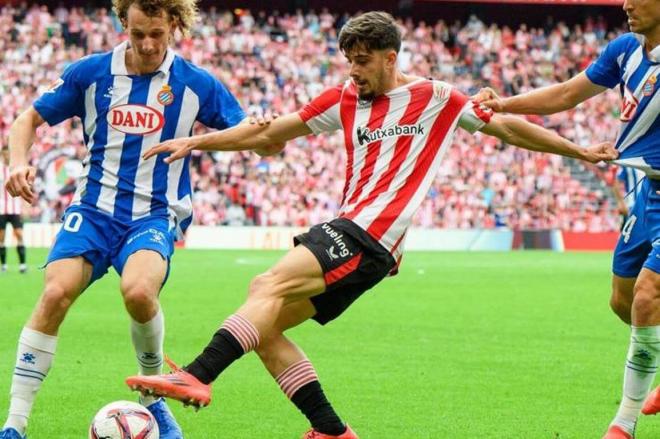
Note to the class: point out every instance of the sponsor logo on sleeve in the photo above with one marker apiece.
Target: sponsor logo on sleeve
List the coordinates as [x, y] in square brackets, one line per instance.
[135, 119]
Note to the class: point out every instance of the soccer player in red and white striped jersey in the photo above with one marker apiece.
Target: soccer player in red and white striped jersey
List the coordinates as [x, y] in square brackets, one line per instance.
[10, 213]
[396, 130]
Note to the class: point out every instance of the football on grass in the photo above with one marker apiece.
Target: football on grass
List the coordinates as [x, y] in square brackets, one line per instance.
[123, 420]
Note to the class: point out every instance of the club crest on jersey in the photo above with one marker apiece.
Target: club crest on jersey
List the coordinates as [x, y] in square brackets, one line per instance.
[365, 136]
[649, 86]
[135, 119]
[165, 95]
[628, 105]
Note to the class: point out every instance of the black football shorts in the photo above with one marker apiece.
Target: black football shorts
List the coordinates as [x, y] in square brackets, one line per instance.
[352, 263]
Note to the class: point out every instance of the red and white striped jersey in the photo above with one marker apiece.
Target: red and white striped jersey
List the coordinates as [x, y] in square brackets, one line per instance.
[8, 204]
[394, 146]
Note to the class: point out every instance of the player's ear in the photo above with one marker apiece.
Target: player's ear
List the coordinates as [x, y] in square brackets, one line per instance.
[174, 25]
[391, 58]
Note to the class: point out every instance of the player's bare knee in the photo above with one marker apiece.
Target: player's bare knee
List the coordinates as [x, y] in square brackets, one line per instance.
[138, 294]
[56, 299]
[264, 286]
[646, 296]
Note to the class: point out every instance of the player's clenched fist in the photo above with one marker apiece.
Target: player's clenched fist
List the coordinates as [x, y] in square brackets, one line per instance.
[604, 151]
[20, 181]
[490, 99]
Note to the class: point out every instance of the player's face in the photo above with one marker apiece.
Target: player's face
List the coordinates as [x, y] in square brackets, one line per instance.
[643, 15]
[368, 70]
[150, 36]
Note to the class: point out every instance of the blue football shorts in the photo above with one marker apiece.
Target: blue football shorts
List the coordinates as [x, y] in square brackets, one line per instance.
[639, 243]
[104, 241]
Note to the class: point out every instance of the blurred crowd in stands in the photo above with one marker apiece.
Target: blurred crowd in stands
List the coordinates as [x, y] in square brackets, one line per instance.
[278, 62]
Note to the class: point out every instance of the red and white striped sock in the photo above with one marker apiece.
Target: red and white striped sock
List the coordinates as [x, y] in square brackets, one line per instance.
[243, 331]
[300, 384]
[295, 376]
[236, 337]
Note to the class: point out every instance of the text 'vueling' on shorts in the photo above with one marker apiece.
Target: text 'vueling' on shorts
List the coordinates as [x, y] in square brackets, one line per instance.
[352, 263]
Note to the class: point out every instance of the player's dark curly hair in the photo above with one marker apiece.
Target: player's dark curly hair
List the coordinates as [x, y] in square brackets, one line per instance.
[183, 12]
[374, 30]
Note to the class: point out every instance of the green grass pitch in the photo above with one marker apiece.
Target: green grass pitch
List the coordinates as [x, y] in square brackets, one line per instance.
[517, 345]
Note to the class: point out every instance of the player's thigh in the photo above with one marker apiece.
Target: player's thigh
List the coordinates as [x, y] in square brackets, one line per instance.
[298, 275]
[64, 281]
[70, 276]
[145, 270]
[144, 257]
[84, 233]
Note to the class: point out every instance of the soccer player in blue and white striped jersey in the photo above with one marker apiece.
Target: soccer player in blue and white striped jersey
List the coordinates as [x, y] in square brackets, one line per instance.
[631, 64]
[127, 211]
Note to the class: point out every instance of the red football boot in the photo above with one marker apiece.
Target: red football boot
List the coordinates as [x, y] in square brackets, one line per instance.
[616, 432]
[178, 384]
[348, 434]
[652, 403]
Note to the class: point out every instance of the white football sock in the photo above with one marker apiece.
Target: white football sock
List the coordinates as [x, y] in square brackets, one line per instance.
[641, 367]
[33, 360]
[148, 343]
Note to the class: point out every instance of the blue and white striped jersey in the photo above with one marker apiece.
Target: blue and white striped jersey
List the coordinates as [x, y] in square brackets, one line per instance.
[626, 64]
[631, 179]
[123, 116]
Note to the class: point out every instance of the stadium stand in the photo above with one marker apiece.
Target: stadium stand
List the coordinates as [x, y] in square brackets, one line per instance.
[279, 62]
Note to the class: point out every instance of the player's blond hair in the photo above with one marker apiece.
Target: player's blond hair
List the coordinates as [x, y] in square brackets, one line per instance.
[182, 12]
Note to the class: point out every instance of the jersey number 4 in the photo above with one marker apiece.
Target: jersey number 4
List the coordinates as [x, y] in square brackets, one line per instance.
[626, 230]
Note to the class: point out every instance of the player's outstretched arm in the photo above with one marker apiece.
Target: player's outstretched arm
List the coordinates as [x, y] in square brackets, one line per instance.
[21, 137]
[519, 132]
[242, 137]
[546, 100]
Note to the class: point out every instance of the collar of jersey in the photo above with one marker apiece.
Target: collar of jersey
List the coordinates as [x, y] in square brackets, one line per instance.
[653, 55]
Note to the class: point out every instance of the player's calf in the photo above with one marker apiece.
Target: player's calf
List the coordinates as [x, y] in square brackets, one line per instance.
[622, 297]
